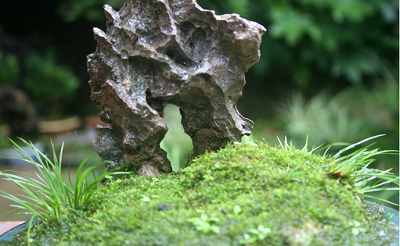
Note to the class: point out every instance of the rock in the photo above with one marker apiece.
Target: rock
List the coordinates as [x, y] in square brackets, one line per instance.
[163, 207]
[159, 52]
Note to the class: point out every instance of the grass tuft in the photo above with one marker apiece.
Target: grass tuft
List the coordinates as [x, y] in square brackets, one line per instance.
[46, 194]
[352, 168]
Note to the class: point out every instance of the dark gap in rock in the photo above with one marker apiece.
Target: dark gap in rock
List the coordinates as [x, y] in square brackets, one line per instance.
[178, 56]
[155, 103]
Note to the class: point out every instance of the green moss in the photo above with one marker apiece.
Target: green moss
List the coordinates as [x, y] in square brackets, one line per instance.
[241, 195]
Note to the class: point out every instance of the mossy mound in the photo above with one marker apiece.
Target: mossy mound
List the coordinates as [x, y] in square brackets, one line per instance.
[241, 195]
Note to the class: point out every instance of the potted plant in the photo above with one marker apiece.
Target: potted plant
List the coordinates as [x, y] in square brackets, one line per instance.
[18, 116]
[52, 87]
[10, 69]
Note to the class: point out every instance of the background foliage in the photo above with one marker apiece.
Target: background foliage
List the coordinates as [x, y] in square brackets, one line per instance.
[310, 44]
[307, 40]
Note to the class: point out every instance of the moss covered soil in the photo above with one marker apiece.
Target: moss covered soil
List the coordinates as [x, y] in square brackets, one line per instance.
[242, 195]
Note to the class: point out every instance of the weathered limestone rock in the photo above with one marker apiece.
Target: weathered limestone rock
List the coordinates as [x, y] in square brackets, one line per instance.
[159, 52]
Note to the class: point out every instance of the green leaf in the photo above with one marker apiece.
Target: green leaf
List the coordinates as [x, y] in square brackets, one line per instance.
[237, 209]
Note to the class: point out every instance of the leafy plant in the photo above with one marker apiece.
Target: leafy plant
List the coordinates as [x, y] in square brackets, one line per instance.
[254, 235]
[9, 69]
[205, 224]
[47, 195]
[51, 85]
[90, 10]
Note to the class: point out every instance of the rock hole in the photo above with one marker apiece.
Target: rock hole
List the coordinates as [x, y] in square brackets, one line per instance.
[176, 142]
[198, 37]
[155, 103]
[178, 56]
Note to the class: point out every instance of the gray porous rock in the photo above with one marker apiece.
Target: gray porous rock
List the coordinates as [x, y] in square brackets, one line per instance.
[159, 52]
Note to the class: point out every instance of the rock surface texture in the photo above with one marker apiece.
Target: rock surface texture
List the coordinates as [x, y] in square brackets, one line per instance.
[159, 52]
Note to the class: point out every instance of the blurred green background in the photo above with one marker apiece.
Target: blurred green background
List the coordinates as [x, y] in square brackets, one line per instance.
[329, 69]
